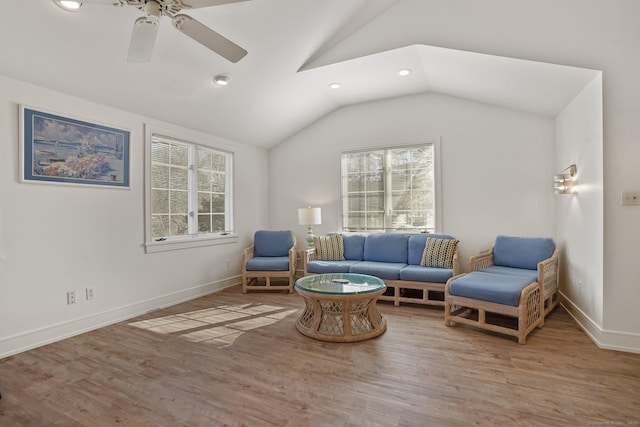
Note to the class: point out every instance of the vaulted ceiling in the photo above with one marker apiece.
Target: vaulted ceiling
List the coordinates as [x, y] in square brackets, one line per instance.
[296, 49]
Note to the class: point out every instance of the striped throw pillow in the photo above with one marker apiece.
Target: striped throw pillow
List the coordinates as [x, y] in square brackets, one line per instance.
[439, 253]
[329, 248]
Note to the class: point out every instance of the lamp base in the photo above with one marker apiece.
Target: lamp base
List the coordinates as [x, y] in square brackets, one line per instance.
[310, 244]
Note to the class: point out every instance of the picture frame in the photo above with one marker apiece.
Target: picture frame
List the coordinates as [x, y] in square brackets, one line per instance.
[56, 149]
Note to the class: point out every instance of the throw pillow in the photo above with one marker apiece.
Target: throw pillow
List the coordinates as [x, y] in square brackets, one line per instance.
[329, 248]
[439, 253]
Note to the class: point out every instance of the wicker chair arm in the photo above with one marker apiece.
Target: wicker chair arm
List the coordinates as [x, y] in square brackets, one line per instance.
[482, 260]
[247, 253]
[548, 270]
[293, 255]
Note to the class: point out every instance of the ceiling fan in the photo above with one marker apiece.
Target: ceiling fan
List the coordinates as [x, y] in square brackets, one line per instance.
[145, 28]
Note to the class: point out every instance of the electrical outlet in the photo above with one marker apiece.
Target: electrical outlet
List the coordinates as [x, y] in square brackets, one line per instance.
[71, 297]
[630, 198]
[91, 294]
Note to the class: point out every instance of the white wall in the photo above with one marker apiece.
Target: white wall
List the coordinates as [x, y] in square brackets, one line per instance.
[580, 215]
[56, 238]
[497, 165]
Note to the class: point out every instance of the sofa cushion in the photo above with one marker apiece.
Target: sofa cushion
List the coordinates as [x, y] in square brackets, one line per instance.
[329, 248]
[496, 288]
[322, 267]
[426, 274]
[439, 253]
[353, 246]
[272, 243]
[269, 263]
[521, 252]
[383, 270]
[510, 271]
[417, 243]
[386, 247]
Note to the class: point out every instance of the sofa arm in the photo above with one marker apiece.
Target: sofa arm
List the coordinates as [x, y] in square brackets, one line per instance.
[482, 260]
[307, 256]
[456, 263]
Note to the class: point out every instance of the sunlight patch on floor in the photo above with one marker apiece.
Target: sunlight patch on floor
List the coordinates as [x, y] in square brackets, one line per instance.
[220, 326]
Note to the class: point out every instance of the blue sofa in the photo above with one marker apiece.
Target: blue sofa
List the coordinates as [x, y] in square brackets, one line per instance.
[396, 259]
[517, 277]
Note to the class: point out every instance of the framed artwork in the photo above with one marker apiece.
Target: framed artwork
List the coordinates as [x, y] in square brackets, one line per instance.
[57, 149]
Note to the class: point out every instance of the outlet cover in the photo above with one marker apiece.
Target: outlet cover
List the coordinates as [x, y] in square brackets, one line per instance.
[91, 294]
[630, 198]
[71, 297]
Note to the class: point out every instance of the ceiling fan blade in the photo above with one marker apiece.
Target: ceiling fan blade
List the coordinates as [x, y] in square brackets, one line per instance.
[209, 38]
[143, 38]
[194, 4]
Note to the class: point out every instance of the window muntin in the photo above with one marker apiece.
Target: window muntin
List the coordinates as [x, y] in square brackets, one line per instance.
[190, 189]
[389, 189]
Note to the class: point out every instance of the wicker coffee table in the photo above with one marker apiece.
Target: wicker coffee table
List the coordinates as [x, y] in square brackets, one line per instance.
[340, 307]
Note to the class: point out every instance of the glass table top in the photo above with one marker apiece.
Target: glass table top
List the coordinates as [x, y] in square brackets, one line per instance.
[340, 283]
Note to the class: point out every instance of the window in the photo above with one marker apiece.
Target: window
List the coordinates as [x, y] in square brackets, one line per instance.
[190, 196]
[390, 189]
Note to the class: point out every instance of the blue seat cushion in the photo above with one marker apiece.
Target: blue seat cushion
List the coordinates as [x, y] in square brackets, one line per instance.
[521, 252]
[321, 267]
[510, 271]
[270, 263]
[386, 247]
[417, 243]
[496, 288]
[383, 270]
[272, 243]
[426, 274]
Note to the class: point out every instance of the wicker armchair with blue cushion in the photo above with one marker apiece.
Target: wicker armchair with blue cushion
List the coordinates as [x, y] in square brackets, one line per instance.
[273, 254]
[517, 278]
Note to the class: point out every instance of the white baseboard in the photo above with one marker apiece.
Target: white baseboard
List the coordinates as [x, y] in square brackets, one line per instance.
[38, 337]
[603, 338]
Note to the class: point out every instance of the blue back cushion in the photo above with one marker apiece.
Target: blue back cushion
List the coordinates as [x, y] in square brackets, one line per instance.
[272, 243]
[385, 247]
[521, 252]
[417, 242]
[353, 246]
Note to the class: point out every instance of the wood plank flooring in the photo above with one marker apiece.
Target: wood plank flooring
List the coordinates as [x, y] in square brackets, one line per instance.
[231, 359]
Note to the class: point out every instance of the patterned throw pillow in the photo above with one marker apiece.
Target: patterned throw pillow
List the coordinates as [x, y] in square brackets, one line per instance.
[329, 248]
[439, 253]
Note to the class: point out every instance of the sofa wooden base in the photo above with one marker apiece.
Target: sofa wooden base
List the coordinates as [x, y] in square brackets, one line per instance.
[472, 312]
[412, 292]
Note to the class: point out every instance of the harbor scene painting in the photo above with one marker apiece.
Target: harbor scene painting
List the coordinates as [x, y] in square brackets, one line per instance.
[65, 150]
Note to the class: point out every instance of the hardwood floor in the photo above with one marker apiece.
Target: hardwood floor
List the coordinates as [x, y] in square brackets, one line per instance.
[230, 359]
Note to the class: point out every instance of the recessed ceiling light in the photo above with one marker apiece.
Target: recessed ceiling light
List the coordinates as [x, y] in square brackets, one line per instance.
[68, 5]
[334, 85]
[222, 79]
[404, 72]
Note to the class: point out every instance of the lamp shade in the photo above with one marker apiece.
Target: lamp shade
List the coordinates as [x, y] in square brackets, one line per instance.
[309, 216]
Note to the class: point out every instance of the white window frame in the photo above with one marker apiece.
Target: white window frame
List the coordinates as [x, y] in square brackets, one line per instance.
[194, 239]
[437, 185]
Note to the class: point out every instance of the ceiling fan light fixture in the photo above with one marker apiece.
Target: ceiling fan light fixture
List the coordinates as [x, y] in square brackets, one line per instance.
[222, 79]
[68, 5]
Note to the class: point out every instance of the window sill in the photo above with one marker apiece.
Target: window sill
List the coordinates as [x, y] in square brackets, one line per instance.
[187, 242]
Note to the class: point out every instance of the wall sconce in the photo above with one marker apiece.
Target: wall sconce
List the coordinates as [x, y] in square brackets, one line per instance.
[564, 183]
[309, 216]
